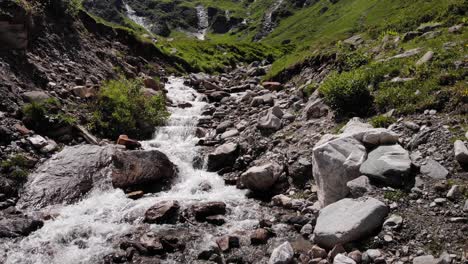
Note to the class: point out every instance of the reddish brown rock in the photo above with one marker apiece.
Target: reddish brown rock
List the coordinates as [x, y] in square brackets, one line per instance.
[128, 143]
[204, 210]
[272, 86]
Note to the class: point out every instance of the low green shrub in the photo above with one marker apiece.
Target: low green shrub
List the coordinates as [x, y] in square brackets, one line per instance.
[347, 93]
[123, 108]
[16, 168]
[382, 121]
[45, 116]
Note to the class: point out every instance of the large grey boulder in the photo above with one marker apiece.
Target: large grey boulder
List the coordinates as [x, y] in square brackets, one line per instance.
[349, 220]
[223, 156]
[388, 164]
[334, 164]
[283, 254]
[67, 175]
[271, 119]
[261, 178]
[76, 170]
[17, 225]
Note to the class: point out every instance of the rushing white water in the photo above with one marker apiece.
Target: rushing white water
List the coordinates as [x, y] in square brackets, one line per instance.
[83, 232]
[203, 22]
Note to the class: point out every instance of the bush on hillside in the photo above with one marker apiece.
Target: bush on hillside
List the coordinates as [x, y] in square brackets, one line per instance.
[347, 93]
[123, 108]
[46, 116]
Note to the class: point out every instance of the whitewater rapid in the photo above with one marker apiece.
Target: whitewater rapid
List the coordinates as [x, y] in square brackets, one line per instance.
[84, 232]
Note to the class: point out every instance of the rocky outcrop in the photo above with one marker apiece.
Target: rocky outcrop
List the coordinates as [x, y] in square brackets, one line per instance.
[349, 220]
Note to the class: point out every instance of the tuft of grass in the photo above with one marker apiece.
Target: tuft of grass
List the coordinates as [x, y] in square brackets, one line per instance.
[394, 195]
[382, 121]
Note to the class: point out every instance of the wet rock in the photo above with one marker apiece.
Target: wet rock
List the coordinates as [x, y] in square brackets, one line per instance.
[165, 212]
[260, 236]
[144, 170]
[465, 207]
[283, 254]
[211, 252]
[359, 186]
[152, 244]
[202, 210]
[223, 156]
[349, 220]
[461, 152]
[67, 175]
[217, 220]
[388, 164]
[434, 170]
[342, 259]
[135, 195]
[17, 225]
[261, 178]
[334, 164]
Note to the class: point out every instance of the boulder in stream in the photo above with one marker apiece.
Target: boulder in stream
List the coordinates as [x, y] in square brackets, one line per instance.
[76, 170]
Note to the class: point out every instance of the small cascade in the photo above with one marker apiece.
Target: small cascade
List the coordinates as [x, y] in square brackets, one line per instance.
[268, 24]
[137, 19]
[203, 22]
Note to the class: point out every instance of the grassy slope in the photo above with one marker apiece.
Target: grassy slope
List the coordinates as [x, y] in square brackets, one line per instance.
[312, 31]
